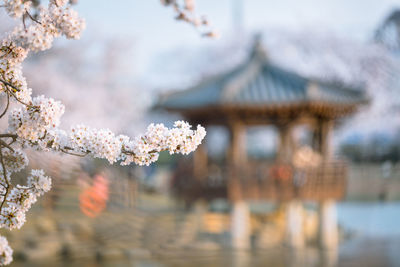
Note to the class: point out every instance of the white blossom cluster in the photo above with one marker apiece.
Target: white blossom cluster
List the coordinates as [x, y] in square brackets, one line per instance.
[38, 127]
[53, 21]
[5, 252]
[50, 22]
[145, 149]
[11, 58]
[31, 123]
[14, 160]
[16, 201]
[17, 8]
[35, 123]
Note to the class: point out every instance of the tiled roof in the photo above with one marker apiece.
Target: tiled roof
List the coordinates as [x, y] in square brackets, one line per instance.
[257, 82]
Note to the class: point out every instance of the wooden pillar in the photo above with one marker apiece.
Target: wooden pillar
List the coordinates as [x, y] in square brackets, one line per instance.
[238, 151]
[294, 232]
[316, 137]
[200, 162]
[285, 148]
[294, 224]
[322, 138]
[240, 225]
[237, 160]
[328, 228]
[240, 215]
[326, 139]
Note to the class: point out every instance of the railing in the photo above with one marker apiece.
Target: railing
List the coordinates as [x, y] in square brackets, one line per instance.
[263, 180]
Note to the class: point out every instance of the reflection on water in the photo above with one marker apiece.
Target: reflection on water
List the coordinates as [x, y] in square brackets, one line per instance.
[272, 257]
[375, 242]
[370, 252]
[358, 253]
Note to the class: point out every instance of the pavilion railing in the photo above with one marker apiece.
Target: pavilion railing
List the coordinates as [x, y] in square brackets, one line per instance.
[263, 180]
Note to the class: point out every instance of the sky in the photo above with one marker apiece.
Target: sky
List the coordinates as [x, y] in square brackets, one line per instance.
[162, 45]
[153, 29]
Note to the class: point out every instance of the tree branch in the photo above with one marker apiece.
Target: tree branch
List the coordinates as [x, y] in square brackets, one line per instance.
[9, 84]
[13, 136]
[32, 18]
[7, 187]
[4, 144]
[8, 104]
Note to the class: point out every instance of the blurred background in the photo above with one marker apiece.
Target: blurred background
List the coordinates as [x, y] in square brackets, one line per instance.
[301, 162]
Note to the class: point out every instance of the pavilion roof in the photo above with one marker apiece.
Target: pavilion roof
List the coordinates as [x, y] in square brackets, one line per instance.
[258, 83]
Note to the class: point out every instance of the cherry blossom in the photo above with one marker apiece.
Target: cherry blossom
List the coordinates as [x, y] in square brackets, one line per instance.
[6, 251]
[35, 122]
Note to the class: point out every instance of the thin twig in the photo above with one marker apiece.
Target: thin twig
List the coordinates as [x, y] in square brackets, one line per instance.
[8, 104]
[7, 187]
[23, 103]
[6, 54]
[73, 154]
[23, 21]
[13, 136]
[2, 143]
[133, 154]
[16, 98]
[32, 18]
[9, 84]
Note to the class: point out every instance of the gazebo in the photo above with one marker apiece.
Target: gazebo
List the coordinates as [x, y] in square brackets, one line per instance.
[257, 92]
